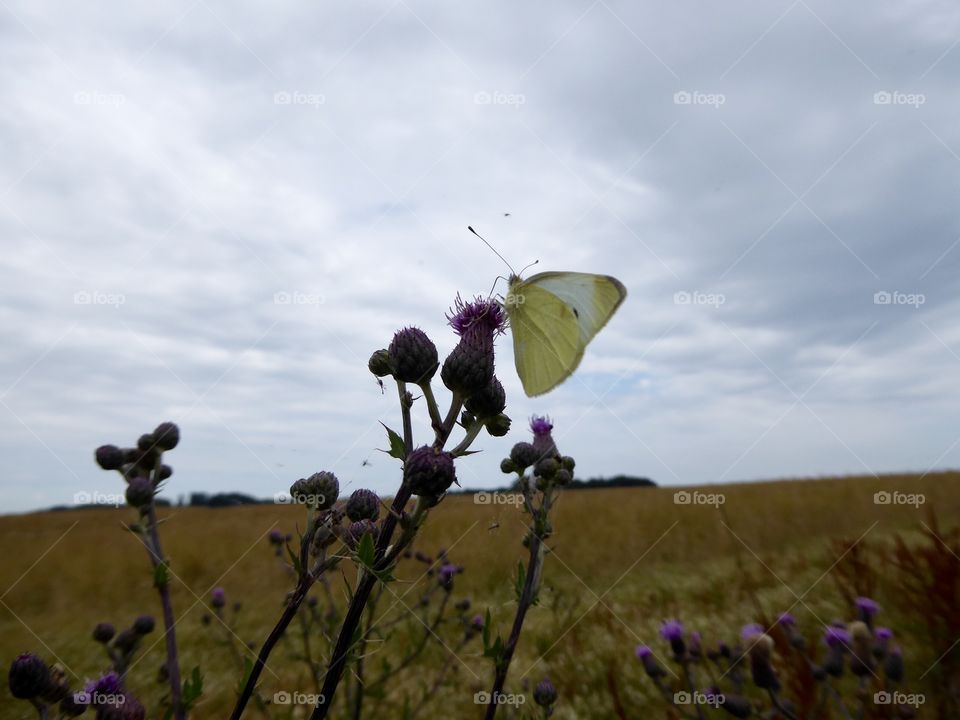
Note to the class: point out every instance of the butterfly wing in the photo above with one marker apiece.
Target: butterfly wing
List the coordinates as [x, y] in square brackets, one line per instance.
[546, 337]
[554, 315]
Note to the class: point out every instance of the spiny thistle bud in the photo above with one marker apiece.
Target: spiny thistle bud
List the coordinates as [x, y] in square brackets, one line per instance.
[109, 457]
[469, 368]
[476, 625]
[568, 463]
[379, 363]
[103, 632]
[218, 597]
[563, 477]
[319, 491]
[545, 694]
[165, 472]
[140, 492]
[489, 402]
[363, 505]
[499, 425]
[672, 632]
[542, 437]
[413, 356]
[507, 466]
[429, 471]
[323, 537]
[28, 676]
[893, 665]
[547, 468]
[144, 624]
[523, 455]
[166, 435]
[883, 636]
[650, 664]
[354, 533]
[127, 641]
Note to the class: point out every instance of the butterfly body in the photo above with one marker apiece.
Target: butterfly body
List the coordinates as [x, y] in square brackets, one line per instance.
[553, 316]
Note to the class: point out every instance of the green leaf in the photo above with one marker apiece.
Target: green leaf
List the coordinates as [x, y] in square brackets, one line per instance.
[192, 688]
[161, 575]
[366, 551]
[397, 447]
[486, 632]
[294, 559]
[247, 669]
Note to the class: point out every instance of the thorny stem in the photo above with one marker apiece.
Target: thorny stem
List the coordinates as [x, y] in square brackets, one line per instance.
[163, 588]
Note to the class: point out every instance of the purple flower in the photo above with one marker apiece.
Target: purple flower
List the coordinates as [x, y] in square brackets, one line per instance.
[445, 576]
[542, 439]
[477, 623]
[29, 676]
[787, 619]
[218, 598]
[481, 317]
[836, 637]
[545, 694]
[883, 633]
[671, 630]
[867, 606]
[276, 537]
[751, 631]
[643, 651]
[108, 684]
[650, 665]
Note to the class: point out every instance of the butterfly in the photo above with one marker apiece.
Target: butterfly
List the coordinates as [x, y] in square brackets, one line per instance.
[553, 317]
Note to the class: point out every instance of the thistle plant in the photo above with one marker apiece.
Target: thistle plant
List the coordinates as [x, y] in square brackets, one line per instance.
[550, 471]
[747, 679]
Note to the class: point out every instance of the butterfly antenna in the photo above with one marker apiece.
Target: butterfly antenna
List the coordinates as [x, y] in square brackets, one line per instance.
[494, 286]
[529, 266]
[492, 248]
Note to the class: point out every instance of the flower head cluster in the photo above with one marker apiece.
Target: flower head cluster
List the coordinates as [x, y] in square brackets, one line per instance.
[141, 466]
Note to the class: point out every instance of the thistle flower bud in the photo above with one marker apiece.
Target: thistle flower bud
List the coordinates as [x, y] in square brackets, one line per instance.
[139, 492]
[893, 665]
[866, 609]
[523, 455]
[882, 636]
[275, 537]
[861, 658]
[545, 694]
[144, 624]
[650, 665]
[469, 368]
[28, 676]
[166, 435]
[379, 363]
[363, 505]
[319, 491]
[672, 632]
[126, 641]
[507, 466]
[103, 632]
[218, 598]
[413, 356]
[761, 669]
[547, 468]
[109, 457]
[323, 537]
[499, 425]
[477, 623]
[354, 533]
[563, 477]
[488, 402]
[429, 471]
[445, 576]
[568, 463]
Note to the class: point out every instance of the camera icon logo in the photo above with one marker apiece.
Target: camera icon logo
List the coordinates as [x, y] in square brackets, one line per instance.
[481, 698]
[682, 98]
[681, 497]
[281, 698]
[882, 497]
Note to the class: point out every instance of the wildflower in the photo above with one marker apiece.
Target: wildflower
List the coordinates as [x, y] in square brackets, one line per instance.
[379, 363]
[144, 624]
[28, 676]
[542, 438]
[446, 575]
[109, 457]
[469, 367]
[363, 505]
[489, 402]
[882, 636]
[412, 357]
[837, 640]
[650, 665]
[429, 471]
[761, 669]
[355, 531]
[861, 662]
[523, 455]
[672, 632]
[545, 694]
[166, 436]
[319, 491]
[218, 598]
[751, 631]
[866, 609]
[103, 632]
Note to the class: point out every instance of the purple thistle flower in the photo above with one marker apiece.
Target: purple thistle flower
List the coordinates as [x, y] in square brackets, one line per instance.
[751, 631]
[787, 620]
[867, 606]
[836, 637]
[643, 651]
[445, 576]
[108, 684]
[671, 630]
[482, 316]
[542, 438]
[650, 665]
[477, 623]
[29, 676]
[276, 537]
[218, 598]
[883, 633]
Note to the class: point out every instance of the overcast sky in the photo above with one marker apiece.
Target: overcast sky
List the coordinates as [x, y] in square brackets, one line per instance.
[755, 174]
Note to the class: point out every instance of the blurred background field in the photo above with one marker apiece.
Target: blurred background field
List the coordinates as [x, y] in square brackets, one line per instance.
[623, 560]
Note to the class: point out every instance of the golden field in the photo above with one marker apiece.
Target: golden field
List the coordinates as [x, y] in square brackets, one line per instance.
[623, 560]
